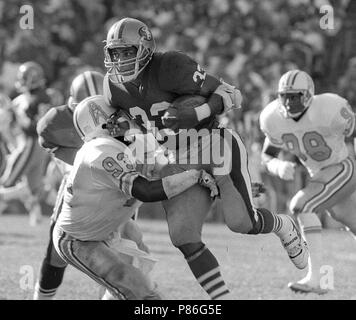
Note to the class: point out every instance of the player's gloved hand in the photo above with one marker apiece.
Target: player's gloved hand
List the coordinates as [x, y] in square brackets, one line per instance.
[231, 96]
[180, 118]
[284, 169]
[115, 127]
[257, 189]
[207, 181]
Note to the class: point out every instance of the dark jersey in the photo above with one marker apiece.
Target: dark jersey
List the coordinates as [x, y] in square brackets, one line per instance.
[29, 108]
[56, 130]
[167, 76]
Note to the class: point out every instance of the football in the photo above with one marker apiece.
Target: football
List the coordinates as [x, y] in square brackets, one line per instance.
[188, 101]
[181, 114]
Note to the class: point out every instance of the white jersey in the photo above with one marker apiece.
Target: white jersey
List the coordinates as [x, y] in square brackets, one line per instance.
[318, 137]
[98, 195]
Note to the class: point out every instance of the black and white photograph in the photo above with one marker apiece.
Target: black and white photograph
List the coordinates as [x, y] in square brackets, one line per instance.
[188, 151]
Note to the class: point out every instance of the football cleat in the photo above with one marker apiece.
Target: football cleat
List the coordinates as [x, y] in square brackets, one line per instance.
[295, 245]
[306, 288]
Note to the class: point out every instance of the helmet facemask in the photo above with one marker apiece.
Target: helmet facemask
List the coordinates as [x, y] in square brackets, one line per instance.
[294, 103]
[295, 93]
[118, 69]
[121, 125]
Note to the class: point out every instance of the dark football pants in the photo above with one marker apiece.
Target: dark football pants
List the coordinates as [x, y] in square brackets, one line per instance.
[228, 162]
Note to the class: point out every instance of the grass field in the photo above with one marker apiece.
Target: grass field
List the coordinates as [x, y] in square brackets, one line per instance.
[255, 267]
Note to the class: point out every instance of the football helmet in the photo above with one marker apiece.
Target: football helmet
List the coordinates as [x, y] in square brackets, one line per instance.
[123, 35]
[91, 118]
[90, 115]
[121, 124]
[86, 84]
[30, 76]
[295, 93]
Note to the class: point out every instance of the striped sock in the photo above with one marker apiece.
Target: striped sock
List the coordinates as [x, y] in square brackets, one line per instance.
[43, 294]
[269, 222]
[50, 279]
[206, 269]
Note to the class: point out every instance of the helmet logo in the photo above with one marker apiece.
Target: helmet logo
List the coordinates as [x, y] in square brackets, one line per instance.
[145, 33]
[96, 113]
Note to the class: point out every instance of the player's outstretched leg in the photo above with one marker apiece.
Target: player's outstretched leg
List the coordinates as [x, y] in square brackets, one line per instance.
[287, 231]
[311, 227]
[293, 242]
[239, 212]
[53, 266]
[49, 281]
[331, 189]
[186, 214]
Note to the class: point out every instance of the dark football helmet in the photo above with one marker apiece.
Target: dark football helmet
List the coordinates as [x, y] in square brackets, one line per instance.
[129, 48]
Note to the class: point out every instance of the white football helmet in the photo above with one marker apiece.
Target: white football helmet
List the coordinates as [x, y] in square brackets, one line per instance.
[89, 117]
[295, 93]
[128, 33]
[93, 118]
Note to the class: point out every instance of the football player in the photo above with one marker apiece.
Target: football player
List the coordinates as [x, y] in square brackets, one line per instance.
[6, 145]
[29, 160]
[314, 128]
[57, 135]
[103, 191]
[145, 83]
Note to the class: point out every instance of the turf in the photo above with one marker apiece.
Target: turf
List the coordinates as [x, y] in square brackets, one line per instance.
[254, 267]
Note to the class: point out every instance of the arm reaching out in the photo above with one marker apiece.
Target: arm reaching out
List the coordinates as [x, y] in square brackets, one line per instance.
[170, 186]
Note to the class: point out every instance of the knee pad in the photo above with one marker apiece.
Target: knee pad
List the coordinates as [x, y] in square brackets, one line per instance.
[191, 249]
[309, 222]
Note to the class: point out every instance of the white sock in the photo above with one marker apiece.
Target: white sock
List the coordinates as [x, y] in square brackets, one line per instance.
[311, 228]
[35, 214]
[314, 240]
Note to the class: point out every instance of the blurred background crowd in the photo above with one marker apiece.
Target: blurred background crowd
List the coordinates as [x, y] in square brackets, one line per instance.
[249, 43]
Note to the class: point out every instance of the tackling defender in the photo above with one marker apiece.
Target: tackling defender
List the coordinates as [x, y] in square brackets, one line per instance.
[103, 191]
[57, 135]
[314, 128]
[145, 83]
